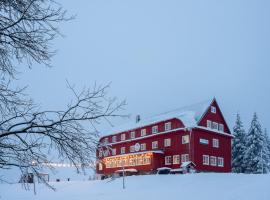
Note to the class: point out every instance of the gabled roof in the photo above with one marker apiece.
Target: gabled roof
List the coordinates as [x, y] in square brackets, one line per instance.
[189, 115]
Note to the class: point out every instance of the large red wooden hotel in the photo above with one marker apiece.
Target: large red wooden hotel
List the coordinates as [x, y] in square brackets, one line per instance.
[196, 134]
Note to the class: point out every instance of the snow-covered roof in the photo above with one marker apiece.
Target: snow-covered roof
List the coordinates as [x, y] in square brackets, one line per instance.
[189, 115]
[185, 164]
[126, 170]
[164, 168]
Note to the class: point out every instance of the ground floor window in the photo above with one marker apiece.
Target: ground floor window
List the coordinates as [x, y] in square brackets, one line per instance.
[213, 160]
[176, 159]
[184, 158]
[205, 160]
[220, 161]
[168, 160]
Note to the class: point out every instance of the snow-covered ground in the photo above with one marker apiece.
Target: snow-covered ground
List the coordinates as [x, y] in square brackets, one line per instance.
[159, 187]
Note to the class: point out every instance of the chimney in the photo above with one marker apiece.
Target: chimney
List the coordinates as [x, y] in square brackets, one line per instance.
[138, 118]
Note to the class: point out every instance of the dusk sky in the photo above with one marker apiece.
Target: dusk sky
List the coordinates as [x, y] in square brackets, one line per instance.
[161, 55]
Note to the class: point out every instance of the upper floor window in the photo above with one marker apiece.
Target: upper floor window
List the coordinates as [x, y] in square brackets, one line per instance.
[168, 126]
[114, 138]
[209, 124]
[132, 134]
[113, 152]
[176, 159]
[143, 147]
[167, 142]
[205, 160]
[106, 140]
[221, 127]
[154, 129]
[213, 109]
[123, 150]
[220, 161]
[215, 125]
[185, 139]
[155, 145]
[132, 148]
[168, 160]
[123, 136]
[213, 160]
[184, 158]
[215, 143]
[100, 152]
[143, 132]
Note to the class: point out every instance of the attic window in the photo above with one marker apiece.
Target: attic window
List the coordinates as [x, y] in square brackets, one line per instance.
[213, 109]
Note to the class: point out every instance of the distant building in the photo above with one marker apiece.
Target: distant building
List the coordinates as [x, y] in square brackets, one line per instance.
[196, 134]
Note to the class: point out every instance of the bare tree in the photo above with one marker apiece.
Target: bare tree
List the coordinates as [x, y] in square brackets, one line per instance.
[27, 133]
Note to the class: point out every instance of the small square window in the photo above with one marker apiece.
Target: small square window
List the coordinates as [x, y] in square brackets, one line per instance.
[215, 125]
[185, 139]
[155, 145]
[168, 160]
[213, 109]
[221, 127]
[168, 126]
[154, 129]
[176, 159]
[167, 142]
[216, 143]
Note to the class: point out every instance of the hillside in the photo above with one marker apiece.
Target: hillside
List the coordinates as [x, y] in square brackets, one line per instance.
[191, 186]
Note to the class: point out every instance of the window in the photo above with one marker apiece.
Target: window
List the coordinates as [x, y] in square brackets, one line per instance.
[132, 134]
[155, 145]
[143, 147]
[113, 152]
[205, 160]
[213, 109]
[167, 142]
[154, 129]
[100, 153]
[100, 166]
[221, 127]
[220, 161]
[168, 126]
[123, 137]
[215, 125]
[123, 150]
[215, 143]
[176, 159]
[106, 152]
[209, 124]
[132, 148]
[204, 141]
[114, 138]
[106, 140]
[184, 158]
[168, 160]
[213, 160]
[185, 139]
[143, 132]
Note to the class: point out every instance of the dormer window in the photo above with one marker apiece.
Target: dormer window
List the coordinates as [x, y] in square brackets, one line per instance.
[221, 127]
[209, 124]
[168, 126]
[114, 138]
[215, 125]
[213, 109]
[123, 137]
[132, 134]
[154, 129]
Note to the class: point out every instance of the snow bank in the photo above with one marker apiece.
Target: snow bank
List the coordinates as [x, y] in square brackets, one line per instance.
[190, 186]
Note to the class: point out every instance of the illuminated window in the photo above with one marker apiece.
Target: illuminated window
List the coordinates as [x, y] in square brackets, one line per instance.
[185, 139]
[215, 125]
[168, 126]
[154, 129]
[220, 161]
[123, 137]
[123, 150]
[114, 138]
[168, 160]
[205, 160]
[167, 142]
[215, 143]
[143, 132]
[155, 145]
[213, 160]
[221, 127]
[132, 134]
[100, 166]
[132, 148]
[209, 124]
[213, 109]
[176, 159]
[143, 147]
[184, 158]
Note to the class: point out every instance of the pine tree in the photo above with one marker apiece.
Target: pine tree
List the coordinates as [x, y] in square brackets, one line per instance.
[238, 146]
[255, 158]
[267, 141]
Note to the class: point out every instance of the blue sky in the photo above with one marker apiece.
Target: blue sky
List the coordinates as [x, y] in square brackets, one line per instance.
[161, 55]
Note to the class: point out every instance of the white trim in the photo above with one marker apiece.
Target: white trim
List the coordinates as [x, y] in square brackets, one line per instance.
[214, 131]
[206, 158]
[167, 142]
[168, 160]
[167, 126]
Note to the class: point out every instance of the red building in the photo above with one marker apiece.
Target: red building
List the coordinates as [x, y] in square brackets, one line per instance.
[196, 134]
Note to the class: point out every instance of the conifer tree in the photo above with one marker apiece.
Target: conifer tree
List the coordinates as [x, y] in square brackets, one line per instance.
[255, 157]
[267, 141]
[238, 146]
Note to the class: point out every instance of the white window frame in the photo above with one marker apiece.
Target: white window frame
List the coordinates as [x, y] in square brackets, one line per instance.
[132, 134]
[168, 126]
[221, 127]
[123, 150]
[176, 159]
[113, 152]
[220, 162]
[114, 138]
[205, 159]
[213, 109]
[123, 136]
[143, 132]
[204, 141]
[143, 146]
[213, 160]
[185, 139]
[132, 149]
[209, 124]
[214, 125]
[154, 144]
[215, 143]
[167, 142]
[168, 160]
[184, 157]
[155, 129]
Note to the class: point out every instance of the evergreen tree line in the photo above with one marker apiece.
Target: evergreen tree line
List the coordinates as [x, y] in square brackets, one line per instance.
[251, 149]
